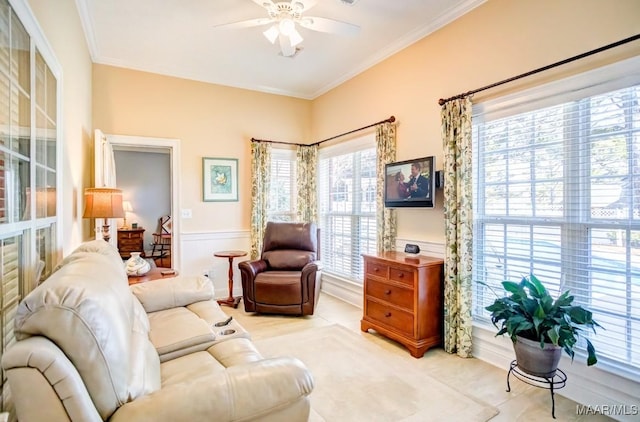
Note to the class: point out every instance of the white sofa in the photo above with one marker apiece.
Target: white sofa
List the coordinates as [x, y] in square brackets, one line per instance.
[92, 348]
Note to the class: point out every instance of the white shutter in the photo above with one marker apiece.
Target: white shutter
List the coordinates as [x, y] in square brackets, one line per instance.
[10, 264]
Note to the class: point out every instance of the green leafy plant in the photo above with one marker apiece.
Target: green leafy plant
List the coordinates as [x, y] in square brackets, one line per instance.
[530, 312]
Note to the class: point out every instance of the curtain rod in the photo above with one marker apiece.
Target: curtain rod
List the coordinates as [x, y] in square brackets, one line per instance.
[389, 120]
[541, 69]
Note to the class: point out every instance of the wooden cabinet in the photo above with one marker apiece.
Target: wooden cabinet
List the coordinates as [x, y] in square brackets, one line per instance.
[130, 240]
[403, 296]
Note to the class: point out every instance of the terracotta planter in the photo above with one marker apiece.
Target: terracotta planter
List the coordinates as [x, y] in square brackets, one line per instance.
[537, 361]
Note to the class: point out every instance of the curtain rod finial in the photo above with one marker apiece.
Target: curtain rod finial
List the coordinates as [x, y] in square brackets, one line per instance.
[392, 119]
[442, 101]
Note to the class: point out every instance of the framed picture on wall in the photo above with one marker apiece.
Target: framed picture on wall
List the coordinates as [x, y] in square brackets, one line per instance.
[219, 179]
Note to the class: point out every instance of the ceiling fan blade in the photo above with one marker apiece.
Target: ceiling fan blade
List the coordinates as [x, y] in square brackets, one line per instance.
[245, 24]
[304, 4]
[286, 48]
[329, 25]
[264, 3]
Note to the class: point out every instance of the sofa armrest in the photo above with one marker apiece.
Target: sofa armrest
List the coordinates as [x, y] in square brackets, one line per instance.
[45, 385]
[173, 292]
[243, 392]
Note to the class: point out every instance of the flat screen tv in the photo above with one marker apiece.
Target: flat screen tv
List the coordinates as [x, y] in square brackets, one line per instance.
[410, 183]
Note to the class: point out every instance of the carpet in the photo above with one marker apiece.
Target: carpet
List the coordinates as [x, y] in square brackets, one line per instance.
[357, 380]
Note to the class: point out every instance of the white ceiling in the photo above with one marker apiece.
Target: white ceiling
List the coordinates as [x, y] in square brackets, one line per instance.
[178, 38]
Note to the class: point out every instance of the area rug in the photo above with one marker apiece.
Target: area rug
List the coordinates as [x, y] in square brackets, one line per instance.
[357, 380]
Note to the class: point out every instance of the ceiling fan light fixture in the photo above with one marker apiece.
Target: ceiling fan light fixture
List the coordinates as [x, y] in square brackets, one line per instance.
[272, 34]
[287, 27]
[295, 38]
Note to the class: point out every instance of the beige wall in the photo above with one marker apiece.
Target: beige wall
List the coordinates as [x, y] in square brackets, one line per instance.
[63, 30]
[209, 120]
[498, 40]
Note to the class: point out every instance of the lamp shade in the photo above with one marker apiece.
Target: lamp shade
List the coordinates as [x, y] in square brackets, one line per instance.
[103, 203]
[126, 205]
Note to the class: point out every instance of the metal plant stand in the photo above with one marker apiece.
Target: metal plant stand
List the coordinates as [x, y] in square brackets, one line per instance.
[558, 381]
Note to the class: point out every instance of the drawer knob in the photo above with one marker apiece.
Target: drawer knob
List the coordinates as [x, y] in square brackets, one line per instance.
[376, 269]
[401, 275]
[387, 314]
[387, 292]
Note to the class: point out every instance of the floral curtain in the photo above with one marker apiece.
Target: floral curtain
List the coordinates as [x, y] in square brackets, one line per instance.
[306, 164]
[458, 217]
[386, 219]
[260, 180]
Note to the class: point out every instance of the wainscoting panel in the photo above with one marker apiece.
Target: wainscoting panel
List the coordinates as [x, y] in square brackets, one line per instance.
[433, 249]
[197, 257]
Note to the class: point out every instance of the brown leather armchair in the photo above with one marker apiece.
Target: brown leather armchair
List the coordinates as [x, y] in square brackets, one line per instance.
[286, 278]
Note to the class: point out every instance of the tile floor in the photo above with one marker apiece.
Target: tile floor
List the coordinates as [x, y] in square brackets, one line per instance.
[471, 376]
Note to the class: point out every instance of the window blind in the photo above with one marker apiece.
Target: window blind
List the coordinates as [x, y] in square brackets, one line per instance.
[557, 194]
[283, 191]
[347, 207]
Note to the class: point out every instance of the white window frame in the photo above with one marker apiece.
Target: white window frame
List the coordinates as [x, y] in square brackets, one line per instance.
[355, 278]
[498, 350]
[287, 155]
[28, 229]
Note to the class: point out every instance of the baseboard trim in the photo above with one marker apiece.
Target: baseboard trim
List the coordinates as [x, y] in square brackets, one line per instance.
[342, 289]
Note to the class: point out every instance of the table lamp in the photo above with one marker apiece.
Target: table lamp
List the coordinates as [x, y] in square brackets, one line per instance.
[126, 206]
[103, 203]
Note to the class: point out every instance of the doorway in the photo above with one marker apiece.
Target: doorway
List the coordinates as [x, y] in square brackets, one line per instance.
[163, 196]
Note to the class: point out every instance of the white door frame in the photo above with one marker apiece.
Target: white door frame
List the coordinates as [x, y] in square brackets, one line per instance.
[141, 143]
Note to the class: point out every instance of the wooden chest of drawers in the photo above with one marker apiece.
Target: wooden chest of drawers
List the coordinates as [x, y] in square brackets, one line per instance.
[130, 240]
[403, 296]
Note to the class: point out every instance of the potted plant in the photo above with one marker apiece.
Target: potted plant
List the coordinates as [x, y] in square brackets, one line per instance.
[539, 326]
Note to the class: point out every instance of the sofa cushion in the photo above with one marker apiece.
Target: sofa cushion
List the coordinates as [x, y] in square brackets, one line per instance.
[190, 367]
[88, 311]
[288, 260]
[178, 329]
[279, 288]
[91, 247]
[170, 292]
[281, 235]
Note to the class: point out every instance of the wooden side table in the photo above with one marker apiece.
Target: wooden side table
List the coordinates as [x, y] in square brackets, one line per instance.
[153, 274]
[130, 240]
[230, 301]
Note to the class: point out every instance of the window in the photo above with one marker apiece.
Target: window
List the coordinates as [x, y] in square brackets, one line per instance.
[29, 174]
[282, 190]
[347, 209]
[557, 193]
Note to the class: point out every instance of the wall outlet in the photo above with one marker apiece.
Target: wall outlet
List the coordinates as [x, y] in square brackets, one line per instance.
[186, 213]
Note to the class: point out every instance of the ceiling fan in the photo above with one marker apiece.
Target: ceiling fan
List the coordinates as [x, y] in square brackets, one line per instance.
[284, 15]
